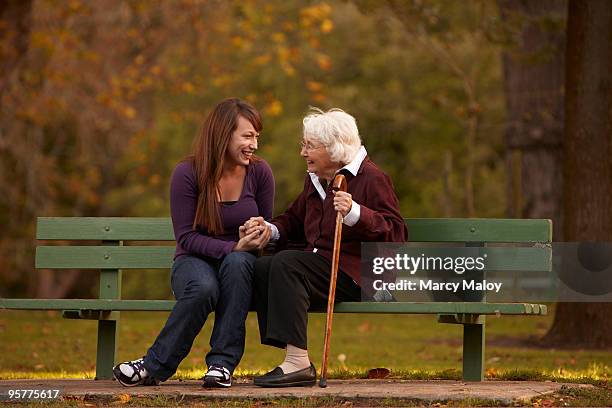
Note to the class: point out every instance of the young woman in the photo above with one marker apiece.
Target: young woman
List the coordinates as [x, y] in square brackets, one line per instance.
[213, 192]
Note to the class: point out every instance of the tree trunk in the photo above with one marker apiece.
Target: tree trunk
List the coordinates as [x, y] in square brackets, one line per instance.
[15, 250]
[588, 160]
[533, 82]
[15, 22]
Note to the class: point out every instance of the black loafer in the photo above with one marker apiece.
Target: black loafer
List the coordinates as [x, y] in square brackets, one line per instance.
[276, 378]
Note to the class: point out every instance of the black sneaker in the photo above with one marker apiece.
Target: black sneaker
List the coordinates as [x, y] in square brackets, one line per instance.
[132, 373]
[217, 376]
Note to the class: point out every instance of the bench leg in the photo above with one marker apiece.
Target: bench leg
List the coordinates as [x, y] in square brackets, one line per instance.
[108, 336]
[473, 352]
[108, 330]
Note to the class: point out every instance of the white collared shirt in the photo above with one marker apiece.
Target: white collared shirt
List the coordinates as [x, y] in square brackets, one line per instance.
[355, 213]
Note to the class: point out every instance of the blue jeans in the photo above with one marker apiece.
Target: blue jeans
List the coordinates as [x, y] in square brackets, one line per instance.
[199, 288]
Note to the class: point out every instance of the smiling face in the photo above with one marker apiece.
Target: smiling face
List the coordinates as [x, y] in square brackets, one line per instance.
[242, 144]
[317, 159]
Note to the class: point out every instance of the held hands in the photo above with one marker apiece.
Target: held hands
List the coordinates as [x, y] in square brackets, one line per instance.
[343, 202]
[251, 224]
[254, 234]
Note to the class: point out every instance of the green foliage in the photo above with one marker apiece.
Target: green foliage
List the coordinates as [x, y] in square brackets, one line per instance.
[411, 105]
[111, 96]
[409, 100]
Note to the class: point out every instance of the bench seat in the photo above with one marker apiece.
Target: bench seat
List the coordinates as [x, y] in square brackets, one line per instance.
[445, 308]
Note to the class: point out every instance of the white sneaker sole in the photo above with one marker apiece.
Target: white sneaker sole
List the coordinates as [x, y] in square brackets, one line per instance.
[116, 377]
[215, 383]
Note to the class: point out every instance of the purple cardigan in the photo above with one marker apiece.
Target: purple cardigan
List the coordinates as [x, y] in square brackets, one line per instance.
[256, 199]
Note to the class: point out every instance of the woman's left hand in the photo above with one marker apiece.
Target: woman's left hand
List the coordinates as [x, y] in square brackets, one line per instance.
[250, 225]
[343, 202]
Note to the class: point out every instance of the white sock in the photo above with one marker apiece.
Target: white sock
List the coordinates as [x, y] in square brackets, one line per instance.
[296, 359]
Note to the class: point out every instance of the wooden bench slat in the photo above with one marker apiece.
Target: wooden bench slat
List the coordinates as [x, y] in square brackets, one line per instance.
[104, 257]
[156, 257]
[87, 304]
[419, 229]
[345, 307]
[439, 308]
[478, 230]
[529, 259]
[105, 228]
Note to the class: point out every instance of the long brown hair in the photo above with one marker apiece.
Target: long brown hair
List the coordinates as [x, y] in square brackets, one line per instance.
[208, 157]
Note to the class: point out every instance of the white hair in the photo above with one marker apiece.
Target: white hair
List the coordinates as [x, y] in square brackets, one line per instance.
[336, 130]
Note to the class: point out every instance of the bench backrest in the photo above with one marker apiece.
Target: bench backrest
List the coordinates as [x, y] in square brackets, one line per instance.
[110, 256]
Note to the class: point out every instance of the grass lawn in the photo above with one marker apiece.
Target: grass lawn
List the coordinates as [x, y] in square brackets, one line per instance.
[42, 344]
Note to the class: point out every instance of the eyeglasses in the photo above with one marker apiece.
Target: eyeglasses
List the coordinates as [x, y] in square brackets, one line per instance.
[308, 146]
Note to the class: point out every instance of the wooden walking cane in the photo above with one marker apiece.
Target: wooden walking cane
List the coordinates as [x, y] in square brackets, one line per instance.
[339, 184]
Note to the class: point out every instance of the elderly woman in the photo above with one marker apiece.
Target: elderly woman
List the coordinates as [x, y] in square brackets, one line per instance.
[292, 282]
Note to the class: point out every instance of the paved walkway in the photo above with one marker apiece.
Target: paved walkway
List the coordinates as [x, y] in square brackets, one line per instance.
[505, 392]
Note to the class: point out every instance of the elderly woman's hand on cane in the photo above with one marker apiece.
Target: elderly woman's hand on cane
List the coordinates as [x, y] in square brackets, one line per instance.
[343, 202]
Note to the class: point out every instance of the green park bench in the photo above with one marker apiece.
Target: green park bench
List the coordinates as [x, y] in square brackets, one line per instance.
[111, 257]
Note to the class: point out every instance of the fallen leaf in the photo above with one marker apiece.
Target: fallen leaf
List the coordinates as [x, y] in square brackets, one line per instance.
[123, 399]
[364, 327]
[377, 373]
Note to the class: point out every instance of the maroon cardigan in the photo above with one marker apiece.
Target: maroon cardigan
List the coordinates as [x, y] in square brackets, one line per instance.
[311, 219]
